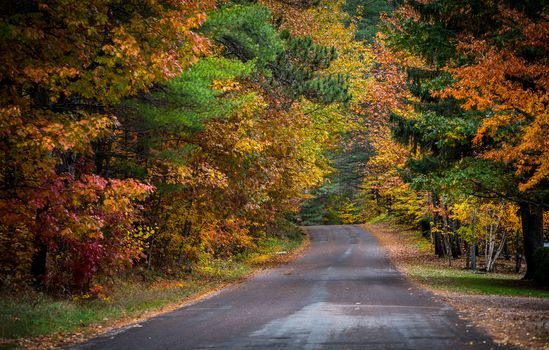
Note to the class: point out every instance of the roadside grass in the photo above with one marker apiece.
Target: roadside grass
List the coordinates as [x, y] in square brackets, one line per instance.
[32, 314]
[413, 255]
[27, 313]
[464, 281]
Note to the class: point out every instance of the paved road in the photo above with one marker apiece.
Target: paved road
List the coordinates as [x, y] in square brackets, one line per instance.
[341, 294]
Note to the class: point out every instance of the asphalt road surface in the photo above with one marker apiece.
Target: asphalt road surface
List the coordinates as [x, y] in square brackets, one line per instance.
[343, 293]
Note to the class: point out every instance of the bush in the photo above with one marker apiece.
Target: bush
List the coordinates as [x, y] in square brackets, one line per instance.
[541, 258]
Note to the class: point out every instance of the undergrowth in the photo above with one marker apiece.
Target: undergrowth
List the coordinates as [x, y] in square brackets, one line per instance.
[27, 313]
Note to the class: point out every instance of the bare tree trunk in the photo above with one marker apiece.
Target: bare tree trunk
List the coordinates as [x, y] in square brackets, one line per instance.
[487, 240]
[467, 256]
[40, 256]
[492, 229]
[425, 228]
[38, 265]
[518, 254]
[490, 268]
[474, 242]
[448, 248]
[439, 244]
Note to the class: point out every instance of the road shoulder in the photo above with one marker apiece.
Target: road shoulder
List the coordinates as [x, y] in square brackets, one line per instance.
[520, 321]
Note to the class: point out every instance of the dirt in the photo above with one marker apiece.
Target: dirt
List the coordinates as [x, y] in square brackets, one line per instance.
[522, 322]
[519, 321]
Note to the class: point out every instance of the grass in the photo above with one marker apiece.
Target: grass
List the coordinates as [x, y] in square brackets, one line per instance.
[28, 313]
[34, 314]
[446, 278]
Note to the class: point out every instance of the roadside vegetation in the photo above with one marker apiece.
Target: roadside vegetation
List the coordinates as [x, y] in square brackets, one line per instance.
[153, 150]
[412, 253]
[44, 320]
[512, 310]
[453, 143]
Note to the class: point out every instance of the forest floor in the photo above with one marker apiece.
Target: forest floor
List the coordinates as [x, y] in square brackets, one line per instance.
[512, 311]
[32, 320]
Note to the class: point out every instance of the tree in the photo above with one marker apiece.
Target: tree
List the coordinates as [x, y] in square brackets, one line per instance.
[64, 65]
[481, 58]
[229, 144]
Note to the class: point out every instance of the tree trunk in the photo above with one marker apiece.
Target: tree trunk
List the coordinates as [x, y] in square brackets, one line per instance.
[425, 228]
[506, 252]
[474, 250]
[518, 253]
[184, 233]
[467, 256]
[439, 244]
[456, 251]
[474, 242]
[491, 266]
[38, 265]
[532, 231]
[40, 256]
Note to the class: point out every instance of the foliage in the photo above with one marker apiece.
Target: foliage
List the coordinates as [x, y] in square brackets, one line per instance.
[228, 154]
[168, 134]
[64, 65]
[27, 313]
[465, 64]
[510, 76]
[245, 33]
[122, 143]
[366, 14]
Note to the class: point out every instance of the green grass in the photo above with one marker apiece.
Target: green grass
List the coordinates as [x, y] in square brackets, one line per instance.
[444, 278]
[36, 314]
[29, 313]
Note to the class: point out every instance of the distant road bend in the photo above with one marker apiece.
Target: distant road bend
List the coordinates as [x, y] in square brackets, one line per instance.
[342, 293]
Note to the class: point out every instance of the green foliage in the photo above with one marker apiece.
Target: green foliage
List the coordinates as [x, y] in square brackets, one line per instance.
[296, 71]
[340, 193]
[430, 41]
[185, 102]
[245, 32]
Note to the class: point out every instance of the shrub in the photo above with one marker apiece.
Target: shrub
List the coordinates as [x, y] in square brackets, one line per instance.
[541, 257]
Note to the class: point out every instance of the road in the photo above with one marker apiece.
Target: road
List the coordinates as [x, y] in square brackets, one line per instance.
[342, 293]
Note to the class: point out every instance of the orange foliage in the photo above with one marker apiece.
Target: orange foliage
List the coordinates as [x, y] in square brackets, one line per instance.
[514, 90]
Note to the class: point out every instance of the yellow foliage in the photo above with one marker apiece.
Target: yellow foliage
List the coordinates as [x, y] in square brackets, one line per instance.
[226, 85]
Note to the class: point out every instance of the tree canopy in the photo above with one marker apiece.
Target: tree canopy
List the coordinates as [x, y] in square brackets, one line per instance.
[153, 134]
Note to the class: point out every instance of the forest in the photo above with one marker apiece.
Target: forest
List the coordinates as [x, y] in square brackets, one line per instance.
[151, 135]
